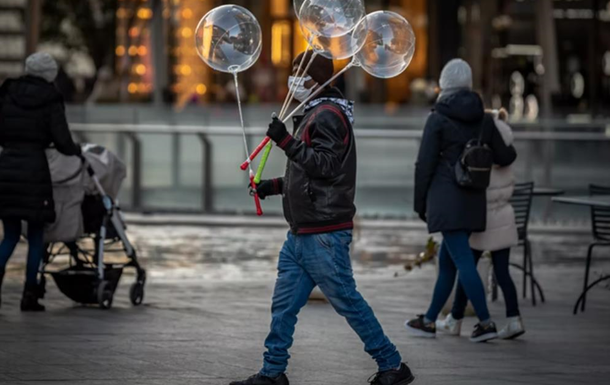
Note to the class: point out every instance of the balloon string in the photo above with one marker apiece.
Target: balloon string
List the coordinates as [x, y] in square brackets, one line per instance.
[241, 118]
[296, 84]
[292, 86]
[316, 92]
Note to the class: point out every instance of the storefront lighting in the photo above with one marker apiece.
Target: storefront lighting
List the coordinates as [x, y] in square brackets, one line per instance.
[120, 50]
[201, 89]
[140, 69]
[132, 88]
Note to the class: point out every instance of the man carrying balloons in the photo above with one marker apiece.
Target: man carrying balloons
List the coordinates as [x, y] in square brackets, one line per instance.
[318, 192]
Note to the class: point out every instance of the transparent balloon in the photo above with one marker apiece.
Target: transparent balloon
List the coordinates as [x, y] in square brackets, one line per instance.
[298, 5]
[340, 47]
[229, 39]
[389, 46]
[331, 18]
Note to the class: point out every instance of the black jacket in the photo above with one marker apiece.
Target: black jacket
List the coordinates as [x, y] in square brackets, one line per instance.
[455, 120]
[319, 185]
[32, 118]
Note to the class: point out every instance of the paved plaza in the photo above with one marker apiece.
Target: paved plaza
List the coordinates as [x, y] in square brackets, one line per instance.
[207, 311]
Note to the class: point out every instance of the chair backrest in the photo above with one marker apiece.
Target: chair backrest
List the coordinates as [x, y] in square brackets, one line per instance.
[600, 217]
[522, 204]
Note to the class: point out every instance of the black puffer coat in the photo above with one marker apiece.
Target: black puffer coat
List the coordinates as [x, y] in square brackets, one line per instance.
[319, 186]
[32, 118]
[455, 120]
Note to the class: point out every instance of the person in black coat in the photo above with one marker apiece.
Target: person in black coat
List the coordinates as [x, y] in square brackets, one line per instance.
[455, 211]
[32, 118]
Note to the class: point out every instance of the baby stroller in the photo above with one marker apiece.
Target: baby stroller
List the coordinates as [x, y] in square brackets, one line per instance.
[88, 228]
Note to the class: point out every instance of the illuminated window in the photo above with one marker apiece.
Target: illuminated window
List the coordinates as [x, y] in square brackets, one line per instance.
[280, 43]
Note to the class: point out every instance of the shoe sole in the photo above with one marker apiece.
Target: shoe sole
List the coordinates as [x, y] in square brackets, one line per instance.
[512, 337]
[407, 381]
[485, 337]
[419, 333]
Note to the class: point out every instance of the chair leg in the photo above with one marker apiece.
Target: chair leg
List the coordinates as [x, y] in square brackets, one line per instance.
[531, 270]
[584, 292]
[494, 287]
[525, 270]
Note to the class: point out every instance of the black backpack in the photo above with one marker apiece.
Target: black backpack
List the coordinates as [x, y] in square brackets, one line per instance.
[473, 168]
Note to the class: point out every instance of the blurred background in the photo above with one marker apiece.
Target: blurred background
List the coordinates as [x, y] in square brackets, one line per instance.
[133, 82]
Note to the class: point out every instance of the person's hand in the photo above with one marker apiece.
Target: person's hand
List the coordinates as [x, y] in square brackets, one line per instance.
[264, 189]
[277, 131]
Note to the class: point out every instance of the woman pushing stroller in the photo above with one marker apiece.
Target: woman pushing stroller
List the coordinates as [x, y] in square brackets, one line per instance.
[32, 118]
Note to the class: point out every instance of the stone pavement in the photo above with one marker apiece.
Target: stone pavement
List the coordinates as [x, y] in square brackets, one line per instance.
[206, 315]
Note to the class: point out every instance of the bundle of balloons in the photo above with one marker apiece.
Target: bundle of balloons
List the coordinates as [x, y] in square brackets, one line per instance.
[229, 39]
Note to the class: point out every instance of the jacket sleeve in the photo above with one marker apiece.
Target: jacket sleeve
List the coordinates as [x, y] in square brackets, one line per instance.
[504, 155]
[322, 155]
[427, 160]
[60, 132]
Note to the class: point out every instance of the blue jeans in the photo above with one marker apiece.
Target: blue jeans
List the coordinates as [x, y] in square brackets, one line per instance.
[12, 234]
[456, 255]
[323, 260]
[500, 260]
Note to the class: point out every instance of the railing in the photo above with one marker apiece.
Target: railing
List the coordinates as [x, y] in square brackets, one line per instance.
[386, 165]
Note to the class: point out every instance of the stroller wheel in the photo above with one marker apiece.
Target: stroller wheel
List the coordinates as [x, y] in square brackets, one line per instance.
[136, 293]
[104, 295]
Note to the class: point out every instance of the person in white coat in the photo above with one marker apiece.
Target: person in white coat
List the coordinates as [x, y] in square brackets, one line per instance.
[500, 235]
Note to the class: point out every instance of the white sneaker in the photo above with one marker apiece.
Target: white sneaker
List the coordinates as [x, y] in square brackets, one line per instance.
[513, 329]
[449, 325]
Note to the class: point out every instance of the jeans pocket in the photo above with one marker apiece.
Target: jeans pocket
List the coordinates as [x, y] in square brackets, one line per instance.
[324, 240]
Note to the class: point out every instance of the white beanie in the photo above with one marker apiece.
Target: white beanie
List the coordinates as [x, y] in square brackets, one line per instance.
[41, 65]
[456, 75]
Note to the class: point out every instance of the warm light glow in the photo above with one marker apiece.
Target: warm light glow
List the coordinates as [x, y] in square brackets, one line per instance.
[145, 13]
[186, 70]
[187, 13]
[132, 88]
[140, 69]
[121, 13]
[142, 50]
[201, 89]
[134, 31]
[120, 50]
[280, 43]
[133, 50]
[187, 32]
[279, 8]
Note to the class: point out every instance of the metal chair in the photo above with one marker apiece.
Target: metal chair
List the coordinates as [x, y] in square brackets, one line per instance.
[522, 204]
[600, 222]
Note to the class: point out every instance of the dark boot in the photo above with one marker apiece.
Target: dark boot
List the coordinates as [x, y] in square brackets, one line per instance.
[259, 379]
[29, 302]
[1, 279]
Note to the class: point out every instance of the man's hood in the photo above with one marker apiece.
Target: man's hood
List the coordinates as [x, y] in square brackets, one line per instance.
[465, 106]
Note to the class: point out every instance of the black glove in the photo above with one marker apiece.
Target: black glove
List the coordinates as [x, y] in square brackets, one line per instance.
[423, 217]
[277, 131]
[264, 189]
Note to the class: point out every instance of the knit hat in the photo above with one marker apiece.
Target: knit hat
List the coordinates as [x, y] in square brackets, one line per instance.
[41, 65]
[456, 75]
[321, 70]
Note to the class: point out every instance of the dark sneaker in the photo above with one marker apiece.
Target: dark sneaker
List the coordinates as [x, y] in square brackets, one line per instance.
[259, 379]
[484, 333]
[401, 376]
[419, 328]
